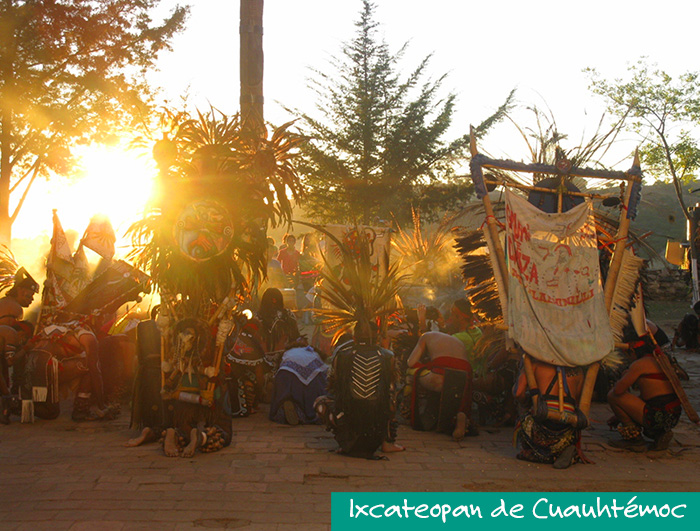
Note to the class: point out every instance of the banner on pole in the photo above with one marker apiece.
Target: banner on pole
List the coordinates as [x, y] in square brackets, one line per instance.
[556, 306]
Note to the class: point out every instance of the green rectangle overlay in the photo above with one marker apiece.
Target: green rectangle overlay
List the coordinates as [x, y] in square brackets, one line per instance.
[560, 511]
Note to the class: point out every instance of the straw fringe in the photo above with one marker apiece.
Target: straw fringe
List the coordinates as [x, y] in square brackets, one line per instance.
[624, 293]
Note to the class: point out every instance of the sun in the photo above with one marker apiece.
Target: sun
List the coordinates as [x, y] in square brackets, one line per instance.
[113, 181]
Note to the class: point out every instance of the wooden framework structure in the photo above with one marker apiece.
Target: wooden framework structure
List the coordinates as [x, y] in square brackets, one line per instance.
[564, 169]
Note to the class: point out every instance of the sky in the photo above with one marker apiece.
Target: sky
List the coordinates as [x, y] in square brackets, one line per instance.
[538, 47]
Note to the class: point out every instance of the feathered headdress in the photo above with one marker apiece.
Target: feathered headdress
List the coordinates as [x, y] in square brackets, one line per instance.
[13, 275]
[8, 268]
[356, 292]
[207, 236]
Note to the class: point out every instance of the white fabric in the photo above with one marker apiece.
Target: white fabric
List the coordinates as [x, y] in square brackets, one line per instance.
[556, 306]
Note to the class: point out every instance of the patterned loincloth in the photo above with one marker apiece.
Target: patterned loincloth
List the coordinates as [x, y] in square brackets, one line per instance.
[661, 414]
[542, 442]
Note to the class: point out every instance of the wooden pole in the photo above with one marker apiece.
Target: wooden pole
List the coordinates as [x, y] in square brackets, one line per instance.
[491, 224]
[545, 190]
[560, 377]
[620, 243]
[251, 66]
[560, 195]
[587, 389]
[500, 262]
[613, 273]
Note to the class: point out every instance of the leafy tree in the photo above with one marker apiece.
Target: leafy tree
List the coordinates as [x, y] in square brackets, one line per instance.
[662, 110]
[377, 147]
[71, 71]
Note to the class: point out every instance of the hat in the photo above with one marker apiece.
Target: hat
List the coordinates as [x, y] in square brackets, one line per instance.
[24, 280]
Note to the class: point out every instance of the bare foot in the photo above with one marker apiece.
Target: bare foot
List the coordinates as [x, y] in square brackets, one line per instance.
[170, 443]
[190, 449]
[388, 447]
[460, 426]
[146, 436]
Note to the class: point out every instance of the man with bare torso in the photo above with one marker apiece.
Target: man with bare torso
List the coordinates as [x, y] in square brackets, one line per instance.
[18, 297]
[442, 351]
[12, 305]
[654, 413]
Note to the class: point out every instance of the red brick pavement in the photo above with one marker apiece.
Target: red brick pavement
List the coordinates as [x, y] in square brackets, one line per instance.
[61, 475]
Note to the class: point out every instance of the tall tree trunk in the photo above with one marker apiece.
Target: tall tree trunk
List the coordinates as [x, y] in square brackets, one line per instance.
[5, 174]
[251, 66]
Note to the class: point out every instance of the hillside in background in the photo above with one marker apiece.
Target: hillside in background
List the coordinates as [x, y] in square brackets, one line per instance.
[660, 214]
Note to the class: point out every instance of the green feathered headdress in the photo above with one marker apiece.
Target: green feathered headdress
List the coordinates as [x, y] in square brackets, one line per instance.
[356, 292]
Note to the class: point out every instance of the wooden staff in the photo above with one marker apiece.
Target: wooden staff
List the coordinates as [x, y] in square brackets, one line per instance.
[666, 367]
[222, 307]
[535, 168]
[169, 312]
[217, 363]
[560, 195]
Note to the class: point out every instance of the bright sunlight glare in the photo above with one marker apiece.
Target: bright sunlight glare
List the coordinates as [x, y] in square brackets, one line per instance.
[109, 180]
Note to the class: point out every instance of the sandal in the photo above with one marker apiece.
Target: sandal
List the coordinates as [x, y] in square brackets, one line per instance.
[290, 412]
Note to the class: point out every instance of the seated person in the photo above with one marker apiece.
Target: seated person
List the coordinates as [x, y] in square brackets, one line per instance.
[687, 331]
[462, 325]
[430, 319]
[544, 439]
[278, 323]
[18, 297]
[441, 351]
[60, 356]
[8, 342]
[361, 405]
[493, 390]
[654, 413]
[299, 381]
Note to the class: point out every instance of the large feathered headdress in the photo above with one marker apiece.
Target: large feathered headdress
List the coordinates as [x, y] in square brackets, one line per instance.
[220, 190]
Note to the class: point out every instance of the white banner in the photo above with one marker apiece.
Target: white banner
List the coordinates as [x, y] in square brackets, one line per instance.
[556, 306]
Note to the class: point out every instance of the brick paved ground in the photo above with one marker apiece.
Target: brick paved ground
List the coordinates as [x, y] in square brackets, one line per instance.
[62, 475]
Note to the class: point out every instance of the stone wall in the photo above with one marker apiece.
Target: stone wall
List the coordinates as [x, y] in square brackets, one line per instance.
[667, 285]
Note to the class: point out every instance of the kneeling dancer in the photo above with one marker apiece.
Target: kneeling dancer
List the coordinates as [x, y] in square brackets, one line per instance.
[361, 406]
[435, 353]
[546, 433]
[654, 413]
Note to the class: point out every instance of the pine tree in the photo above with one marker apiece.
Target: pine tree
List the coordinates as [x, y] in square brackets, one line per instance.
[377, 148]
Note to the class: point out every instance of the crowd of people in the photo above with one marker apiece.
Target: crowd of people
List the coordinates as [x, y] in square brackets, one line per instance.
[421, 370]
